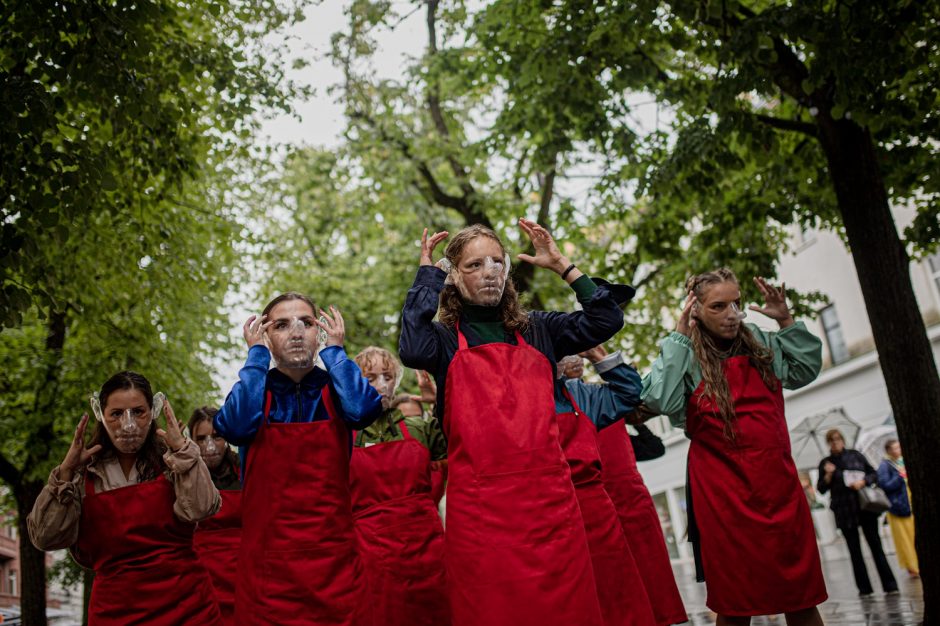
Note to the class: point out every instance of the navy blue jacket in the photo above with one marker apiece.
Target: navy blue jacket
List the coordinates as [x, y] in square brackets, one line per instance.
[429, 345]
[239, 419]
[895, 487]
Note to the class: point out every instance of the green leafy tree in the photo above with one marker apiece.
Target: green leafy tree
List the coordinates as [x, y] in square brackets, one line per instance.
[816, 113]
[125, 163]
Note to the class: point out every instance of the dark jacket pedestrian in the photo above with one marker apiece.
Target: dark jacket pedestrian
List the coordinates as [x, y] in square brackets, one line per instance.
[843, 473]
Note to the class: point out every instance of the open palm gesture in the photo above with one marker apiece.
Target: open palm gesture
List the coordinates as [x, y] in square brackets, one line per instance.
[775, 302]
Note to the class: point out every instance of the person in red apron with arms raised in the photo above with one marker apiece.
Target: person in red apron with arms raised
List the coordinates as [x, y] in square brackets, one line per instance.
[748, 518]
[582, 409]
[400, 535]
[298, 562]
[126, 508]
[218, 538]
[516, 551]
[623, 483]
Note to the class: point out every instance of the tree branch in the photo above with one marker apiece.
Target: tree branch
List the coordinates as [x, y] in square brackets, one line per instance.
[787, 124]
[8, 472]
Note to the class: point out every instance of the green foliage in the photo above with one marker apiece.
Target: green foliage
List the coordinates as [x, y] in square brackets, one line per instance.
[109, 108]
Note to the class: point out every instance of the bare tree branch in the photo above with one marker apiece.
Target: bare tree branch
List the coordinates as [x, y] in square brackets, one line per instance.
[787, 124]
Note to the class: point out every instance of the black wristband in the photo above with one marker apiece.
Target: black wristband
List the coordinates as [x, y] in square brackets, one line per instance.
[564, 274]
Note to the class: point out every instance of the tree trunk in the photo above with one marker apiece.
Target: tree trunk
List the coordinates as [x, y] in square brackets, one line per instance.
[32, 561]
[904, 351]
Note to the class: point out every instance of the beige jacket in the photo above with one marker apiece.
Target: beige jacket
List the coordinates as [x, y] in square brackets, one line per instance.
[53, 522]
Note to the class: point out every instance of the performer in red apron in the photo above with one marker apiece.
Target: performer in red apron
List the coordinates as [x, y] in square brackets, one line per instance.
[298, 562]
[126, 507]
[218, 538]
[299, 537]
[640, 523]
[142, 556]
[516, 549]
[399, 531]
[748, 517]
[620, 588]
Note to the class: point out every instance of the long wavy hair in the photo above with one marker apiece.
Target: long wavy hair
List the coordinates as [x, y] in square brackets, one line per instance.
[150, 456]
[207, 414]
[710, 355]
[515, 318]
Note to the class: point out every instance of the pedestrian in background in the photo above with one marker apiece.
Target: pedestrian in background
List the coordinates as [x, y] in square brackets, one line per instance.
[844, 472]
[892, 477]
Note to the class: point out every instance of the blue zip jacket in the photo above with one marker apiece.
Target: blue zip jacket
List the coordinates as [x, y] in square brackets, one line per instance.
[889, 479]
[239, 419]
[603, 404]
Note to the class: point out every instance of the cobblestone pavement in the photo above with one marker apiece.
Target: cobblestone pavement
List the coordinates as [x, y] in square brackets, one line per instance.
[844, 607]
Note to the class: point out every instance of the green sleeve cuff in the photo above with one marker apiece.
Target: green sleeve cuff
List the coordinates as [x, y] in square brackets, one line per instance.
[680, 339]
[584, 288]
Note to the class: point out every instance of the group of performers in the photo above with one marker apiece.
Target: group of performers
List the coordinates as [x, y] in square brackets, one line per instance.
[328, 515]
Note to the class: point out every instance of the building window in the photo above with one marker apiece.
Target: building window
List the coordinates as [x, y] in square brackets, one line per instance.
[833, 329]
[14, 591]
[933, 262]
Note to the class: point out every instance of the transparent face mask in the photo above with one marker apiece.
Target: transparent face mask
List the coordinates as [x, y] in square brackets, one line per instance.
[738, 311]
[481, 282]
[294, 344]
[212, 448]
[128, 428]
[384, 382]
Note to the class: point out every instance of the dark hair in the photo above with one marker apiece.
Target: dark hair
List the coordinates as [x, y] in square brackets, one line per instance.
[150, 456]
[284, 297]
[889, 443]
[514, 316]
[207, 414]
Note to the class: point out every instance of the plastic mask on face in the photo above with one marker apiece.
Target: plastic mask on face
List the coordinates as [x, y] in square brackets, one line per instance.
[738, 311]
[128, 428]
[296, 351]
[481, 282]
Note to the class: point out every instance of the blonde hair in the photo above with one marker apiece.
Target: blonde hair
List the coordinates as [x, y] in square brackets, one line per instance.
[514, 316]
[710, 357]
[374, 354]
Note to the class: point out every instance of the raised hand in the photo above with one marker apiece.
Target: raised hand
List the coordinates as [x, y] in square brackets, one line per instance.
[775, 302]
[686, 321]
[334, 326]
[429, 244]
[78, 455]
[547, 254]
[426, 386]
[594, 355]
[254, 329]
[173, 435]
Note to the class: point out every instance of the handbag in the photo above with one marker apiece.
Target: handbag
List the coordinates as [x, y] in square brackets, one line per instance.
[873, 499]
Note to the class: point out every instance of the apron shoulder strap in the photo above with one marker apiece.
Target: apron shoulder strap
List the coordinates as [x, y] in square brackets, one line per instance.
[267, 404]
[89, 483]
[570, 398]
[327, 396]
[404, 430]
[461, 339]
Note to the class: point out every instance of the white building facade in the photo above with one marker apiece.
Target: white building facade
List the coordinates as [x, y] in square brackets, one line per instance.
[851, 379]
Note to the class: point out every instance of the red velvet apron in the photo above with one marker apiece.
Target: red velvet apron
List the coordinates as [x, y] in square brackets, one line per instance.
[620, 588]
[399, 532]
[756, 536]
[146, 571]
[516, 551]
[217, 541]
[298, 560]
[438, 479]
[640, 523]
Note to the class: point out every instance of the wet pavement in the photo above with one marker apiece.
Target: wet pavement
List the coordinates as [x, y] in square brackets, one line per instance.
[843, 608]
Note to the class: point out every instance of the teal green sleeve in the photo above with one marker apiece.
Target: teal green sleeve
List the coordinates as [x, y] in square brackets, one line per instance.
[668, 386]
[584, 288]
[797, 354]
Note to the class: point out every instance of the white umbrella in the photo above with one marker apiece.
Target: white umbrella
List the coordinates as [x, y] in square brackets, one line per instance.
[872, 442]
[808, 436]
